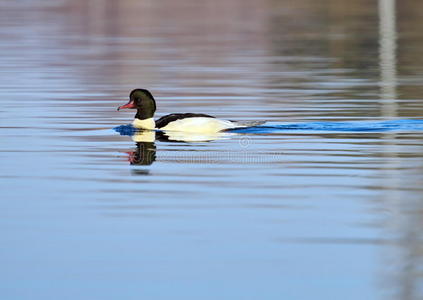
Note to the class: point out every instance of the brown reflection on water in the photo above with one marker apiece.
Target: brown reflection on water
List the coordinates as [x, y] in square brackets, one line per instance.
[267, 44]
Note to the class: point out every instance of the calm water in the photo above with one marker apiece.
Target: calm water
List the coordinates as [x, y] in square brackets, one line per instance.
[292, 213]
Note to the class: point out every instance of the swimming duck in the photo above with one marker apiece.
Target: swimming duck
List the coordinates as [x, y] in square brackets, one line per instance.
[144, 102]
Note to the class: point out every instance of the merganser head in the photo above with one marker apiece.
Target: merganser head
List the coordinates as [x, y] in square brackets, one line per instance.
[143, 101]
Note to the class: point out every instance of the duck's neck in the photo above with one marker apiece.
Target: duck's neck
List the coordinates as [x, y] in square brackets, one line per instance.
[144, 118]
[144, 124]
[145, 112]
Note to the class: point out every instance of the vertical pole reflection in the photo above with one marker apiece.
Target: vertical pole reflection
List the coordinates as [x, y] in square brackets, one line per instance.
[387, 84]
[405, 259]
[387, 57]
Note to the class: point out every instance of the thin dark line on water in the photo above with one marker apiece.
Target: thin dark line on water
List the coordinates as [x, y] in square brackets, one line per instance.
[190, 206]
[338, 241]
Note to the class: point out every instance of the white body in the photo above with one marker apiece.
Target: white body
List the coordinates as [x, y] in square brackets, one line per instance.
[190, 125]
[199, 125]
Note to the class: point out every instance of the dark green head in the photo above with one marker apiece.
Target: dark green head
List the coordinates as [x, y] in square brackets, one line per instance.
[143, 101]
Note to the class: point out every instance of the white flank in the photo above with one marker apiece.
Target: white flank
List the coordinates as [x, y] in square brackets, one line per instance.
[199, 125]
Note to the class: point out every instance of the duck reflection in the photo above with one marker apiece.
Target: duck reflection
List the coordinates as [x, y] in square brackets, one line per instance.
[145, 152]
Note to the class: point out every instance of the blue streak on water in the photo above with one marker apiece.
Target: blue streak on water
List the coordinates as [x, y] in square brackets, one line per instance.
[125, 129]
[391, 125]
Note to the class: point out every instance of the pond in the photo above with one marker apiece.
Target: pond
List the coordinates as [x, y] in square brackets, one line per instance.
[324, 201]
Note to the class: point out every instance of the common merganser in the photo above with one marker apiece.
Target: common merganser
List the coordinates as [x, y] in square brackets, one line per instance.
[144, 102]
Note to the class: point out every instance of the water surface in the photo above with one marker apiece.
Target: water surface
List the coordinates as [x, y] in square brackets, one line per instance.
[304, 211]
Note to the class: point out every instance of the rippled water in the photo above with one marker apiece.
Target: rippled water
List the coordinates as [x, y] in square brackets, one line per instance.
[323, 202]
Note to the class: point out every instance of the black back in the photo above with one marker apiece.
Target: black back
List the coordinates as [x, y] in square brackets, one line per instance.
[163, 121]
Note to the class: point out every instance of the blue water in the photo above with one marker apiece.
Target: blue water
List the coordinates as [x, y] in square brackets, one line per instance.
[324, 201]
[358, 126]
